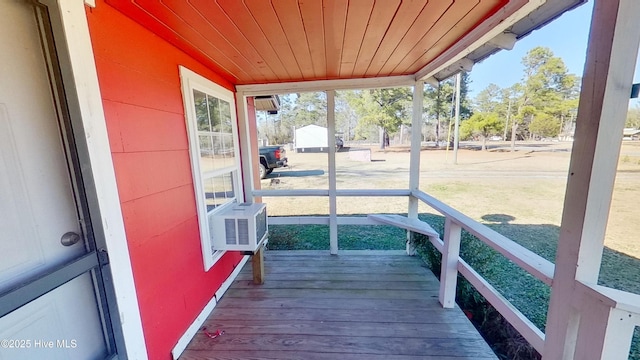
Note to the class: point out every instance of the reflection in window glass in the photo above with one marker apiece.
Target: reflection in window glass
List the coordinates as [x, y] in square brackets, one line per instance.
[219, 190]
[214, 113]
[215, 130]
[229, 150]
[206, 153]
[202, 112]
[217, 148]
[225, 117]
[228, 186]
[209, 194]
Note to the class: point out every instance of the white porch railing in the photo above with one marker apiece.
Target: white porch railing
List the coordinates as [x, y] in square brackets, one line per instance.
[608, 317]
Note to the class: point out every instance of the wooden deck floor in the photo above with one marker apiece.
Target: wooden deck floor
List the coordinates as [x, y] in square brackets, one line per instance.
[353, 306]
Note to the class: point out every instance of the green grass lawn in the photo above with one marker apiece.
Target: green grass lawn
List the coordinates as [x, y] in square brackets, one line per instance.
[351, 237]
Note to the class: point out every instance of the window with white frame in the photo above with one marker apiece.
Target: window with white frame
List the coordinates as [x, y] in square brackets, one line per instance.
[213, 145]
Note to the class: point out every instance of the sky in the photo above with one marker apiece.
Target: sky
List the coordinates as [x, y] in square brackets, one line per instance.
[566, 37]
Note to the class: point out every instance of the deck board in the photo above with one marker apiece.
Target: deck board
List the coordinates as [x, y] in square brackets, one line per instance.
[351, 306]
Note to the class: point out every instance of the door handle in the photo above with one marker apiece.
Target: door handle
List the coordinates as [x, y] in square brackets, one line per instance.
[69, 238]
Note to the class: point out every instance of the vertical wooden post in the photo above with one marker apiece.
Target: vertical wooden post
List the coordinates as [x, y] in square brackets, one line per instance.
[449, 267]
[604, 99]
[331, 142]
[456, 131]
[257, 265]
[604, 333]
[414, 161]
[244, 133]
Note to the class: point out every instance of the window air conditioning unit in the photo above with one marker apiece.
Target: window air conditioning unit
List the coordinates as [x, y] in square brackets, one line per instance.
[240, 227]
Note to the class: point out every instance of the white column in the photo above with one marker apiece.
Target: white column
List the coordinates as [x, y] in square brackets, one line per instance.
[604, 99]
[456, 131]
[245, 147]
[331, 142]
[414, 161]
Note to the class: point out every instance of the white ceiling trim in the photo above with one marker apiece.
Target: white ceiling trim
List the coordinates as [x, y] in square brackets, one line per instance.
[455, 54]
[324, 85]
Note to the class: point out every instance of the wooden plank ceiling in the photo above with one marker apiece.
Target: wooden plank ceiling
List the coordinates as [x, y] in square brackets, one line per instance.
[261, 41]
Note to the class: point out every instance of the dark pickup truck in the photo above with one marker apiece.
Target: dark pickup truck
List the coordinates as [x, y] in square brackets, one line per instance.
[271, 157]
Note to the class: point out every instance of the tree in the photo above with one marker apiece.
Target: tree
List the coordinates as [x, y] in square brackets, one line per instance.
[545, 125]
[439, 103]
[383, 108]
[346, 117]
[633, 118]
[481, 125]
[489, 99]
[546, 91]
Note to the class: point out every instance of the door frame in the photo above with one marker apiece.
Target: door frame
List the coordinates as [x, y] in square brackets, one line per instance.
[67, 46]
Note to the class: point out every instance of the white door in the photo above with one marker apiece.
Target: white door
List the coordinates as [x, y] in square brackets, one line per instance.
[37, 206]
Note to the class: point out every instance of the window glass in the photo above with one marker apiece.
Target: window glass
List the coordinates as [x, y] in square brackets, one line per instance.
[228, 185]
[214, 113]
[206, 153]
[225, 117]
[229, 150]
[202, 111]
[209, 194]
[217, 148]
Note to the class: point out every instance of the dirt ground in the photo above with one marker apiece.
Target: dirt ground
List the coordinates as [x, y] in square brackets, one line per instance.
[524, 187]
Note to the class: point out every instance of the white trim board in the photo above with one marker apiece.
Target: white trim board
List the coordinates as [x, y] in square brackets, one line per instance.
[450, 57]
[323, 85]
[192, 330]
[78, 40]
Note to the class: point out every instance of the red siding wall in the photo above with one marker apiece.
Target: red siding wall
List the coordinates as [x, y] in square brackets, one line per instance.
[140, 84]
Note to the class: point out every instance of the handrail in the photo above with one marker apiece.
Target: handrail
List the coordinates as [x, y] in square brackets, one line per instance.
[613, 298]
[298, 192]
[533, 263]
[322, 192]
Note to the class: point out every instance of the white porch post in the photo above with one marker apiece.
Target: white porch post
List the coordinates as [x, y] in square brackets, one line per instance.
[245, 147]
[331, 142]
[456, 131]
[414, 161]
[604, 99]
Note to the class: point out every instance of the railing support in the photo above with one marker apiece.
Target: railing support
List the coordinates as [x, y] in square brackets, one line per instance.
[449, 269]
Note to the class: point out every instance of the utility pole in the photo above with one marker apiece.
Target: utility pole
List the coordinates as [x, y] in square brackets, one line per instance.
[504, 136]
[456, 131]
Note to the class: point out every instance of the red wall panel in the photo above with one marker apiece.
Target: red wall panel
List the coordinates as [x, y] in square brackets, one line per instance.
[140, 85]
[135, 135]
